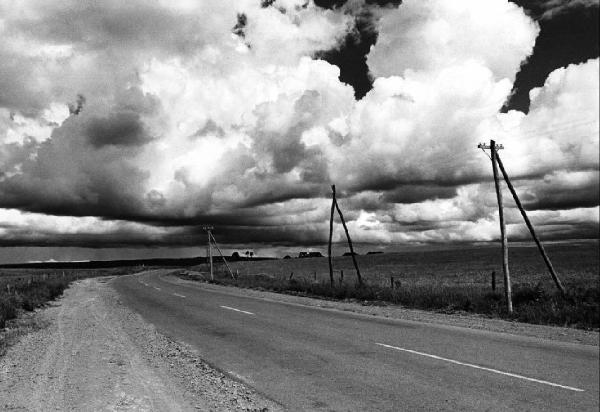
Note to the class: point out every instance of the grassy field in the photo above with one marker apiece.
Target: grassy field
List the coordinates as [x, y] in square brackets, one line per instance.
[447, 280]
[27, 289]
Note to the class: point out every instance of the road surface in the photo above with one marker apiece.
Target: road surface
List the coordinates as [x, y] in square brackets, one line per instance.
[309, 358]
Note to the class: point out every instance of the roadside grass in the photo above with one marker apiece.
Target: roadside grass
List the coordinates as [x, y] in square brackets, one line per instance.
[448, 282]
[28, 289]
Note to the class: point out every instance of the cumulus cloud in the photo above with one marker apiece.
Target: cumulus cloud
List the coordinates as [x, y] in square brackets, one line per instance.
[427, 35]
[142, 121]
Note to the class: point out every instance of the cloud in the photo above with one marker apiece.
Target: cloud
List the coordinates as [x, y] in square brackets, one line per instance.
[121, 129]
[549, 9]
[427, 35]
[560, 132]
[136, 123]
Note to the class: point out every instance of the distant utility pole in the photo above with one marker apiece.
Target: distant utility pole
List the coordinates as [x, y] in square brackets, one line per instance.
[211, 241]
[222, 256]
[334, 204]
[209, 250]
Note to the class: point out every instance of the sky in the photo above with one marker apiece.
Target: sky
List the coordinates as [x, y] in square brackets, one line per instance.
[126, 126]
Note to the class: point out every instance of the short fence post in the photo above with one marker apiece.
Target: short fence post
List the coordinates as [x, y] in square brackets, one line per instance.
[291, 275]
[341, 277]
[315, 276]
[8, 288]
[493, 280]
[392, 282]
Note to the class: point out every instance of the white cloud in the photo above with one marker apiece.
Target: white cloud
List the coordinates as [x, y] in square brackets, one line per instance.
[185, 121]
[560, 132]
[426, 35]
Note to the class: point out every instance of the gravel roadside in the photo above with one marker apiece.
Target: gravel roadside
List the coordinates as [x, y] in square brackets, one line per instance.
[89, 352]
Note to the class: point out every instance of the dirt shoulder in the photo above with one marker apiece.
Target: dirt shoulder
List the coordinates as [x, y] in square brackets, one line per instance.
[464, 320]
[89, 352]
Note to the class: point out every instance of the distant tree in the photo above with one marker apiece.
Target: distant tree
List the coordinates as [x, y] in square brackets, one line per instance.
[287, 257]
[251, 255]
[235, 255]
[247, 254]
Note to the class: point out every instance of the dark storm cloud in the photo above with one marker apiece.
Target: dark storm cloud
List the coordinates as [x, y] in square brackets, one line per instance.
[419, 193]
[120, 129]
[552, 193]
[71, 177]
[582, 230]
[116, 238]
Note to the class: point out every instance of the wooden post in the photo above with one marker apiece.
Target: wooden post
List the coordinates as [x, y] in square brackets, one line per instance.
[341, 278]
[392, 282]
[315, 276]
[507, 285]
[530, 227]
[360, 282]
[210, 259]
[493, 280]
[331, 235]
[222, 257]
[291, 275]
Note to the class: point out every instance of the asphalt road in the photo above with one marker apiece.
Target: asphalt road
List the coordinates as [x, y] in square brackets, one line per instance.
[309, 358]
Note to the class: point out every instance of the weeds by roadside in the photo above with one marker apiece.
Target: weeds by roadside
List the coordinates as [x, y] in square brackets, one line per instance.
[532, 302]
[30, 289]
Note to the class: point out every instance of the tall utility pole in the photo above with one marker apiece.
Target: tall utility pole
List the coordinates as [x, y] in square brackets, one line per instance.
[507, 286]
[209, 250]
[557, 281]
[330, 237]
[496, 159]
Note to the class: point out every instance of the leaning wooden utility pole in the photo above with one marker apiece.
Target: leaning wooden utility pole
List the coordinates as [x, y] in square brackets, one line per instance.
[209, 251]
[507, 285]
[531, 229]
[221, 253]
[335, 203]
[331, 235]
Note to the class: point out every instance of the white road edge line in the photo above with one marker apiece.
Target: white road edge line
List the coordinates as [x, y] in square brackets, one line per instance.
[177, 294]
[237, 310]
[514, 375]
